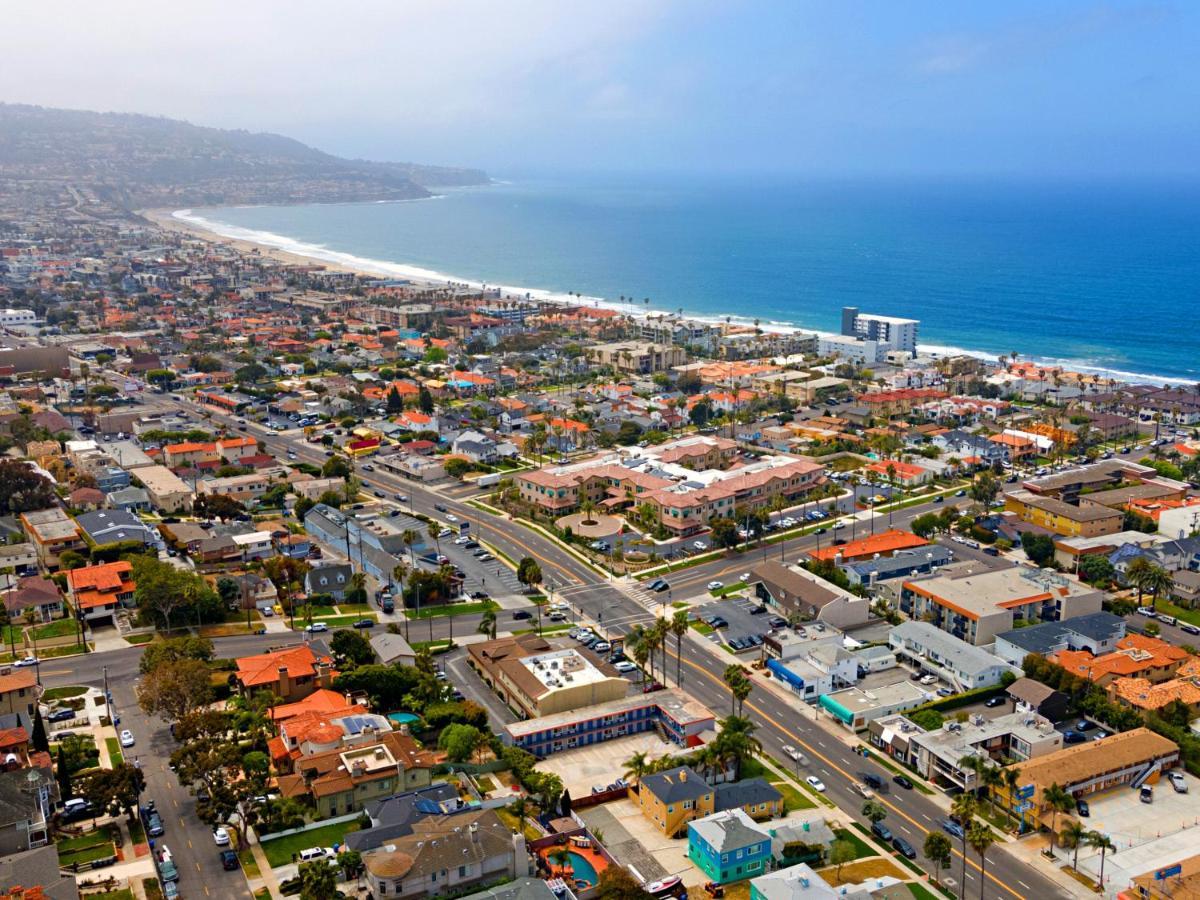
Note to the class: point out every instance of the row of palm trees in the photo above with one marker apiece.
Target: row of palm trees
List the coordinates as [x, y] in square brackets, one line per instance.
[643, 643]
[735, 742]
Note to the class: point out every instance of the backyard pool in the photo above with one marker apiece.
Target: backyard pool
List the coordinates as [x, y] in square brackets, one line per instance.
[584, 865]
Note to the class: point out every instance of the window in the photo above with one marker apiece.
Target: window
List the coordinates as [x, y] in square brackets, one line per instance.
[462, 871]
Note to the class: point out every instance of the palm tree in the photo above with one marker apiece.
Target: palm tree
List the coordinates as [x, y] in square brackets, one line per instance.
[963, 808]
[1072, 836]
[981, 838]
[1135, 574]
[586, 506]
[1157, 581]
[410, 537]
[679, 627]
[641, 653]
[520, 808]
[635, 767]
[1101, 842]
[1057, 800]
[1011, 778]
[487, 624]
[992, 778]
[562, 856]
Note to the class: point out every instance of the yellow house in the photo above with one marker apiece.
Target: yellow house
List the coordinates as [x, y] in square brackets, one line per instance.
[1063, 518]
[675, 797]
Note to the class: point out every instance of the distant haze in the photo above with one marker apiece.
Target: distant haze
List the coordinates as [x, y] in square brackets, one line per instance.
[845, 88]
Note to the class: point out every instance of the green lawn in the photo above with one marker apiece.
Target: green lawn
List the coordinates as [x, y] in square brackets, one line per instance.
[88, 847]
[729, 589]
[59, 628]
[920, 891]
[861, 849]
[139, 638]
[318, 612]
[114, 751]
[792, 798]
[348, 609]
[452, 609]
[701, 627]
[279, 851]
[1181, 613]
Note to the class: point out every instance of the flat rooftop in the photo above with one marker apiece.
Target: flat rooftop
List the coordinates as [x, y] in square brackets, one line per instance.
[680, 707]
[983, 593]
[856, 700]
[562, 668]
[963, 739]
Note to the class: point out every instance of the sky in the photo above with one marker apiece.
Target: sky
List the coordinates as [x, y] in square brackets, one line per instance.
[1093, 89]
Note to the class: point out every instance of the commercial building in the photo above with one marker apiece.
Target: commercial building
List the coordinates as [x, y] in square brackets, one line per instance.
[963, 665]
[940, 755]
[536, 680]
[1096, 632]
[811, 665]
[673, 715]
[856, 708]
[978, 606]
[877, 573]
[1129, 758]
[795, 591]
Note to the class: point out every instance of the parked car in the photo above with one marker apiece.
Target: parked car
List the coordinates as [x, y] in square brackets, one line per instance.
[1178, 781]
[904, 781]
[221, 836]
[601, 646]
[993, 702]
[127, 738]
[1073, 737]
[815, 783]
[1146, 795]
[315, 627]
[1083, 725]
[1081, 807]
[624, 666]
[715, 585]
[229, 860]
[652, 687]
[62, 715]
[365, 623]
[26, 661]
[881, 831]
[904, 848]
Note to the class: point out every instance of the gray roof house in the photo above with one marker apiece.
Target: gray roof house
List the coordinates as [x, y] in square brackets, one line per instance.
[332, 578]
[114, 526]
[963, 665]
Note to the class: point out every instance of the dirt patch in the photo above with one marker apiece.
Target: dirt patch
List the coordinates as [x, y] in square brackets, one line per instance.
[855, 872]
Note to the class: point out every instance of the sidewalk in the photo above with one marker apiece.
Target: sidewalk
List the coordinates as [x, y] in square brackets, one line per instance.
[266, 877]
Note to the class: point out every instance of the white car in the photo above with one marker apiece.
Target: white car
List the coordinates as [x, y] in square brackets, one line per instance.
[928, 679]
[459, 541]
[744, 577]
[793, 753]
[699, 545]
[451, 517]
[837, 525]
[315, 627]
[26, 661]
[601, 646]
[1178, 781]
[127, 738]
[221, 836]
[1147, 611]
[815, 783]
[625, 666]
[715, 585]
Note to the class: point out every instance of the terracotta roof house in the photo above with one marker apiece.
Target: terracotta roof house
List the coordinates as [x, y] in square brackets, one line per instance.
[97, 591]
[291, 673]
[342, 780]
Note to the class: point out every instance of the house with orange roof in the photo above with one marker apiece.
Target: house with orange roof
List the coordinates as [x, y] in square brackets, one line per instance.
[322, 700]
[1136, 656]
[1017, 447]
[19, 691]
[291, 673]
[900, 402]
[98, 591]
[343, 780]
[414, 420]
[1148, 696]
[905, 474]
[316, 732]
[884, 544]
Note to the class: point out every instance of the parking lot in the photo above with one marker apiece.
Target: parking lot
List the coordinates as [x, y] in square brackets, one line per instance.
[737, 611]
[1121, 815]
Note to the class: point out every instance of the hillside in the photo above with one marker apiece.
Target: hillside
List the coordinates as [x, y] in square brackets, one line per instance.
[142, 161]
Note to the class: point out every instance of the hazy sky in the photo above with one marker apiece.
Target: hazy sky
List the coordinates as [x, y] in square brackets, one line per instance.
[832, 87]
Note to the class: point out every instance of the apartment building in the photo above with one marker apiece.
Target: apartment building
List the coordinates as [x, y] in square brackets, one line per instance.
[1060, 517]
[168, 492]
[637, 357]
[52, 533]
[941, 756]
[961, 664]
[977, 606]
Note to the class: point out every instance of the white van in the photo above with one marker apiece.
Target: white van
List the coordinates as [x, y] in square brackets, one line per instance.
[1168, 620]
[312, 853]
[315, 627]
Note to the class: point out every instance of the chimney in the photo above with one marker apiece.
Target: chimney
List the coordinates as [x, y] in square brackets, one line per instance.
[285, 683]
[324, 675]
[683, 775]
[474, 829]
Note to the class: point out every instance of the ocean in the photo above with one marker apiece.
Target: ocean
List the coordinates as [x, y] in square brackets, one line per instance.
[1101, 277]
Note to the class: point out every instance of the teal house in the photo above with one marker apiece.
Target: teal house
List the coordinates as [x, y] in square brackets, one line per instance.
[729, 846]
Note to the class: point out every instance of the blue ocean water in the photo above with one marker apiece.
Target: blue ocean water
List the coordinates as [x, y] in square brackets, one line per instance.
[1104, 276]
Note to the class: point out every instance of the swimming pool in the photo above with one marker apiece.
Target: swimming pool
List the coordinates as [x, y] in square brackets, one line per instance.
[581, 866]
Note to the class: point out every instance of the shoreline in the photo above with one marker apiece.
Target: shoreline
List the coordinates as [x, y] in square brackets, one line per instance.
[187, 222]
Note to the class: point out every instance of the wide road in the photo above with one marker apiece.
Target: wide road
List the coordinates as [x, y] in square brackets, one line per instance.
[911, 814]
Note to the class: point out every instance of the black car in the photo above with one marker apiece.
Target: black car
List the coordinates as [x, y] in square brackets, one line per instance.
[522, 614]
[439, 507]
[1081, 807]
[760, 610]
[365, 623]
[229, 860]
[62, 715]
[904, 847]
[904, 781]
[881, 831]
[994, 702]
[777, 622]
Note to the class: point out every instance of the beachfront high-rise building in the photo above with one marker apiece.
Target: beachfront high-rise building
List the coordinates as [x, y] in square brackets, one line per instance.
[900, 334]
